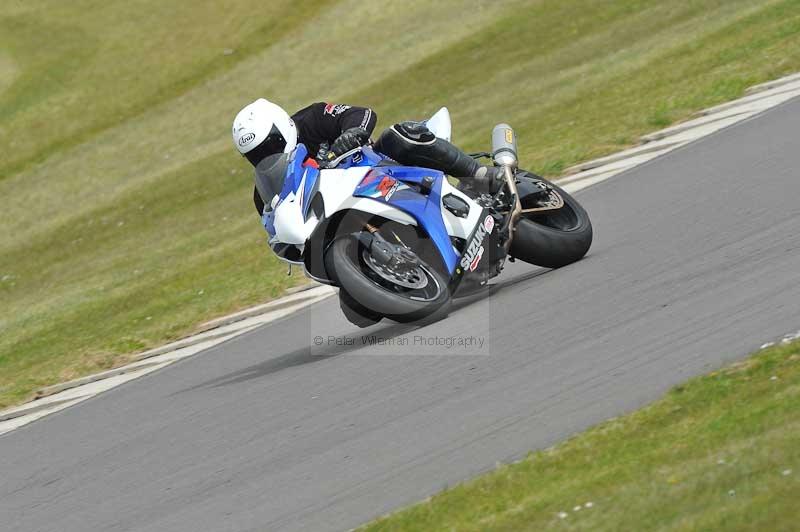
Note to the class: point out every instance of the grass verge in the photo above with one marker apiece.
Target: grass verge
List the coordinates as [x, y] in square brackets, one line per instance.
[721, 452]
[126, 215]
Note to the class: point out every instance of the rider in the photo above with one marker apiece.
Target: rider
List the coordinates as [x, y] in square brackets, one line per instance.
[263, 128]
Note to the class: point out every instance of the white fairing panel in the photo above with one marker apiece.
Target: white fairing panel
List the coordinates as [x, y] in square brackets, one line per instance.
[336, 187]
[290, 227]
[440, 124]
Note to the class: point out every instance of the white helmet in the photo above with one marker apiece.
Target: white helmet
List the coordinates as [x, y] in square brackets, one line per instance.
[262, 129]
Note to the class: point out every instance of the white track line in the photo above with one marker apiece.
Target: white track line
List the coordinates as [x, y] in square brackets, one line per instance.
[64, 395]
[759, 99]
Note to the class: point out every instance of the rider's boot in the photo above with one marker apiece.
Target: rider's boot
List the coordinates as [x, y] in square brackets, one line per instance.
[478, 177]
[486, 179]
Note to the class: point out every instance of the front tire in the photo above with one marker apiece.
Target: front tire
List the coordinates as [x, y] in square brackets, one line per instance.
[551, 239]
[379, 296]
[355, 312]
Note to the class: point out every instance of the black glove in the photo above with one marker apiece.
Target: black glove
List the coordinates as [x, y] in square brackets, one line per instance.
[350, 139]
[324, 154]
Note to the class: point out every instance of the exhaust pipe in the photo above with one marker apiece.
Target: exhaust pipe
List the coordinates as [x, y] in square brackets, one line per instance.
[504, 154]
[504, 146]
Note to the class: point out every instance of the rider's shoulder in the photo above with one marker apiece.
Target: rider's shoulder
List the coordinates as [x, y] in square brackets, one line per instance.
[311, 108]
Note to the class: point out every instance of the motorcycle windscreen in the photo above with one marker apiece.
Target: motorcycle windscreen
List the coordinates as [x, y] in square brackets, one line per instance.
[270, 175]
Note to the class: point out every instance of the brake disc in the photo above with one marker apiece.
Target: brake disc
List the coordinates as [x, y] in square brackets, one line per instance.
[552, 200]
[406, 275]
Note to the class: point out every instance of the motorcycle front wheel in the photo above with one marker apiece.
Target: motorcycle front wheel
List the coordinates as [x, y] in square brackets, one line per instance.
[413, 296]
[355, 312]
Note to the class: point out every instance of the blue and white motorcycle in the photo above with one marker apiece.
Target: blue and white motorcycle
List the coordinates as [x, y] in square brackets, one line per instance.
[400, 241]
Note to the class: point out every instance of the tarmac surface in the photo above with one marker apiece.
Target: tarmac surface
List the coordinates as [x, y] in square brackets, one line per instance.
[696, 262]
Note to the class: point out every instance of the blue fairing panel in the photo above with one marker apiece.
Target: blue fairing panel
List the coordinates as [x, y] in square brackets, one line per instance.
[268, 221]
[312, 174]
[294, 177]
[294, 173]
[395, 185]
[291, 184]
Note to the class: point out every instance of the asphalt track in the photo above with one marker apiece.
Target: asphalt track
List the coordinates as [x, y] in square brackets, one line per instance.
[696, 262]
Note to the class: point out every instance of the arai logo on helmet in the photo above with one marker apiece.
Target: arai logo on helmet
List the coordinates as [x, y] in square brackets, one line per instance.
[246, 139]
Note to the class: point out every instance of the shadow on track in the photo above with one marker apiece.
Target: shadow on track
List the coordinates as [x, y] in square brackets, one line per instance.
[388, 330]
[300, 357]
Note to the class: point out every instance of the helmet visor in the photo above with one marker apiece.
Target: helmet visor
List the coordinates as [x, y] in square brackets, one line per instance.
[274, 143]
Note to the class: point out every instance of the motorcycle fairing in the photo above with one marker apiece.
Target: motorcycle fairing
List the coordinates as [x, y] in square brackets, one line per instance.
[485, 239]
[301, 179]
[379, 185]
[291, 221]
[391, 185]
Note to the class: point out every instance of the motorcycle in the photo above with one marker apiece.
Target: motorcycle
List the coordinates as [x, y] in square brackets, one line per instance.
[398, 241]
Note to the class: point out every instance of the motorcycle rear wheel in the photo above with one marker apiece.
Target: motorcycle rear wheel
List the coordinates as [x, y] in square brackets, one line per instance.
[551, 239]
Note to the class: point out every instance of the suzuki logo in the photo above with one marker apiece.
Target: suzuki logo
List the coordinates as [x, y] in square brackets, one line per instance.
[474, 252]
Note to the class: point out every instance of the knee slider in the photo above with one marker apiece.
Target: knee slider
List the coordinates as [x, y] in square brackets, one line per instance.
[412, 143]
[415, 132]
[406, 141]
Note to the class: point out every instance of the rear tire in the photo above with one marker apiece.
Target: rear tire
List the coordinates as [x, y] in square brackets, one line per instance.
[552, 239]
[394, 302]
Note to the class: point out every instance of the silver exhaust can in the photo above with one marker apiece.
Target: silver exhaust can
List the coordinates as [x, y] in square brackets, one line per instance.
[504, 146]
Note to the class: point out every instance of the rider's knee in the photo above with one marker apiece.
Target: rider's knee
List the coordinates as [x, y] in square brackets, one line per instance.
[414, 133]
[403, 140]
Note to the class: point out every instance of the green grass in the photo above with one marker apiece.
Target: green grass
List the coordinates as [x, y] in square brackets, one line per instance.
[124, 200]
[721, 452]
